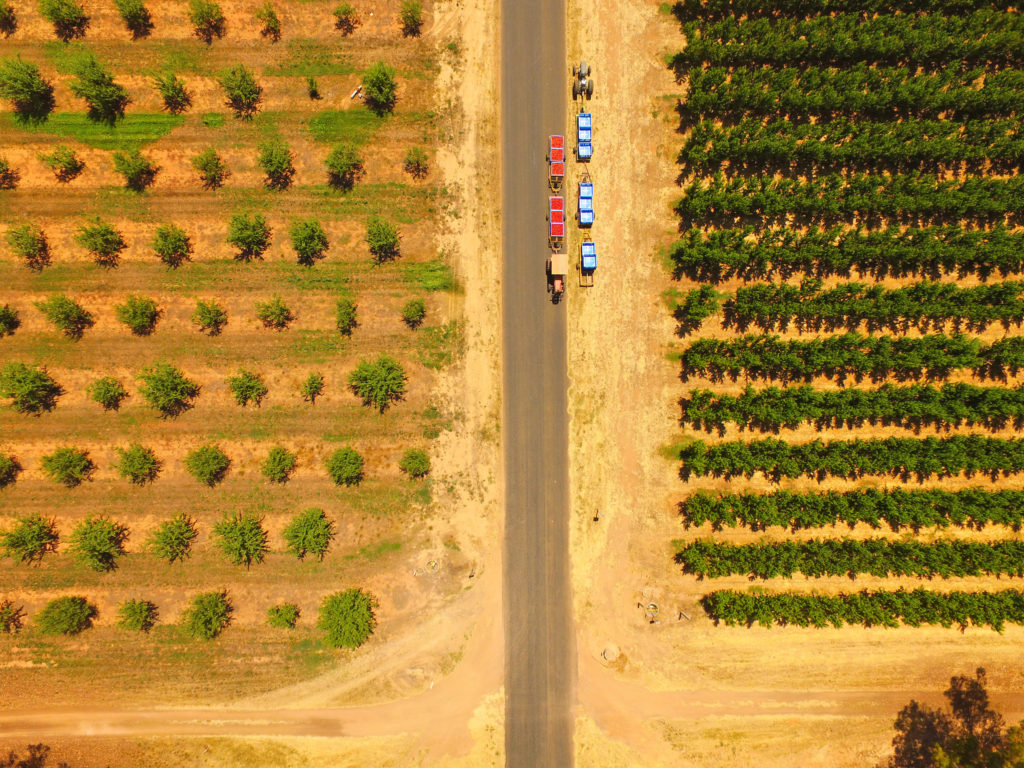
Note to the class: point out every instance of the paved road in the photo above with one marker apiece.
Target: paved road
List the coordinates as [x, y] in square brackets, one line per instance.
[539, 638]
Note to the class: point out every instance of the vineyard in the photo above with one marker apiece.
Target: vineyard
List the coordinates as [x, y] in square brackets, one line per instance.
[222, 312]
[848, 298]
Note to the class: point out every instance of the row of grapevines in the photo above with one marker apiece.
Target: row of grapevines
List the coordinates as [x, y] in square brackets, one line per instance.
[848, 557]
[898, 508]
[697, 10]
[897, 456]
[869, 608]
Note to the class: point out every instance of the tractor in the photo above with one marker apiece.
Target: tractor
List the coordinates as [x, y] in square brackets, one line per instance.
[582, 82]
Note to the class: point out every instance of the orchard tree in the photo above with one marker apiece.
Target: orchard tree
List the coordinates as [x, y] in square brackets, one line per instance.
[22, 84]
[210, 316]
[416, 162]
[207, 615]
[250, 235]
[70, 317]
[345, 18]
[279, 465]
[284, 615]
[68, 466]
[344, 166]
[97, 542]
[345, 316]
[415, 463]
[274, 314]
[9, 320]
[312, 387]
[411, 16]
[207, 20]
[137, 464]
[379, 383]
[177, 98]
[270, 24]
[172, 245]
[247, 387]
[172, 540]
[28, 242]
[136, 17]
[9, 469]
[101, 240]
[139, 313]
[66, 616]
[137, 615]
[243, 92]
[345, 467]
[105, 100]
[380, 88]
[9, 176]
[67, 16]
[312, 88]
[309, 240]
[30, 539]
[243, 540]
[383, 239]
[276, 161]
[65, 164]
[31, 389]
[8, 19]
[107, 392]
[167, 389]
[12, 618]
[211, 168]
[414, 312]
[309, 533]
[139, 172]
[348, 618]
[208, 464]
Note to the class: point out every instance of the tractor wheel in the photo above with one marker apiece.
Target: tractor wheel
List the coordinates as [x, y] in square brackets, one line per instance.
[590, 88]
[574, 71]
[575, 88]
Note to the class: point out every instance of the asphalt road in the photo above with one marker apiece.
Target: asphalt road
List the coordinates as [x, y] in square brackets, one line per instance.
[539, 637]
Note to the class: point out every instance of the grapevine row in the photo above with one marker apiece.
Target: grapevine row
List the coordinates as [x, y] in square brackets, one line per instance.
[896, 456]
[868, 608]
[697, 10]
[898, 508]
[847, 557]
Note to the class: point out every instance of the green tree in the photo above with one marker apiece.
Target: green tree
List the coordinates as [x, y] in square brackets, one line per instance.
[417, 164]
[348, 618]
[67, 16]
[177, 98]
[210, 316]
[208, 464]
[243, 540]
[279, 465]
[208, 615]
[247, 387]
[70, 317]
[9, 320]
[344, 166]
[31, 538]
[107, 392]
[105, 100]
[383, 239]
[172, 244]
[31, 389]
[207, 20]
[9, 176]
[312, 88]
[66, 616]
[65, 164]
[139, 313]
[12, 617]
[136, 17]
[379, 383]
[139, 172]
[68, 466]
[380, 88]
[411, 16]
[414, 312]
[309, 533]
[345, 18]
[312, 387]
[243, 92]
[97, 542]
[415, 463]
[137, 615]
[101, 240]
[284, 615]
[8, 19]
[167, 389]
[211, 168]
[137, 464]
[345, 466]
[172, 540]
[250, 235]
[267, 16]
[9, 469]
[274, 314]
[309, 240]
[29, 92]
[345, 316]
[275, 159]
[29, 242]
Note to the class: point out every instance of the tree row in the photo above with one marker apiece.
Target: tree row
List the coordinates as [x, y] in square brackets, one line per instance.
[848, 557]
[901, 457]
[868, 608]
[701, 10]
[898, 508]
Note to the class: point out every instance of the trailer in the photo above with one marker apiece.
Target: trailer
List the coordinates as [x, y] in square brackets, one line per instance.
[584, 136]
[556, 162]
[588, 263]
[557, 269]
[556, 221]
[585, 202]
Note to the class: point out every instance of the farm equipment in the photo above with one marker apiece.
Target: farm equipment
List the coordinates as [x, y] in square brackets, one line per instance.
[585, 202]
[588, 263]
[557, 268]
[584, 136]
[556, 221]
[556, 162]
[582, 83]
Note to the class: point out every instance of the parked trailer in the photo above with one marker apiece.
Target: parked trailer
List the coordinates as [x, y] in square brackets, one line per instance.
[584, 136]
[556, 221]
[588, 263]
[585, 203]
[557, 269]
[556, 162]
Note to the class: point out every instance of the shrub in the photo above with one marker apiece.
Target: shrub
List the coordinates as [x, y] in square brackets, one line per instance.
[380, 87]
[312, 387]
[172, 245]
[250, 235]
[413, 313]
[211, 168]
[9, 469]
[344, 166]
[68, 18]
[283, 616]
[167, 389]
[207, 19]
[415, 463]
[208, 615]
[172, 90]
[411, 16]
[31, 389]
[208, 464]
[173, 538]
[66, 616]
[9, 177]
[210, 316]
[70, 317]
[242, 90]
[416, 162]
[64, 163]
[97, 542]
[23, 85]
[105, 100]
[137, 615]
[30, 539]
[348, 618]
[8, 19]
[101, 240]
[383, 239]
[247, 387]
[135, 16]
[309, 240]
[108, 392]
[345, 316]
[312, 88]
[139, 314]
[137, 464]
[274, 314]
[276, 161]
[267, 16]
[29, 242]
[68, 466]
[279, 465]
[345, 466]
[9, 320]
[379, 383]
[11, 617]
[242, 538]
[309, 533]
[345, 18]
[138, 171]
